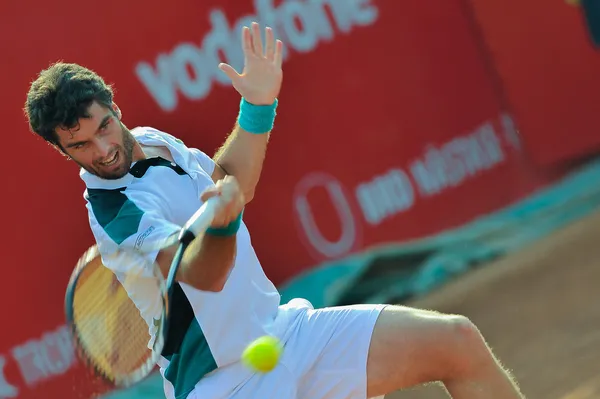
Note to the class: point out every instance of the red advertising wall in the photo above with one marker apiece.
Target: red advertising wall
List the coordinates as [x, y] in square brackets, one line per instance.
[548, 68]
[390, 128]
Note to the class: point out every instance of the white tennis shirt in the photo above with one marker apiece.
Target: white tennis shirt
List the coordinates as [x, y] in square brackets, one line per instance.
[148, 204]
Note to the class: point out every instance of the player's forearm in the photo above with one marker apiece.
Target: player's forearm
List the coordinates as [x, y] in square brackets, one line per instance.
[206, 262]
[242, 156]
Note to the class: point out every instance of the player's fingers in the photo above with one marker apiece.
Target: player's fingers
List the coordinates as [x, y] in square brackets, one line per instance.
[270, 44]
[227, 213]
[224, 215]
[229, 183]
[233, 190]
[247, 41]
[230, 72]
[229, 179]
[230, 187]
[227, 217]
[257, 40]
[209, 193]
[218, 222]
[278, 53]
[233, 201]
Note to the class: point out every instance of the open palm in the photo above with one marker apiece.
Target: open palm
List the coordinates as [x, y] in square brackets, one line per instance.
[260, 81]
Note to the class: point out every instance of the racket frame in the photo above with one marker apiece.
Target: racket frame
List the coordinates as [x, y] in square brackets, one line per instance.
[117, 380]
[195, 227]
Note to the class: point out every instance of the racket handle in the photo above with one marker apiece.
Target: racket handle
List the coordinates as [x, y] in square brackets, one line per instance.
[202, 219]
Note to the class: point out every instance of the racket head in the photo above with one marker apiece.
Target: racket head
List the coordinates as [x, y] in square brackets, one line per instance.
[110, 334]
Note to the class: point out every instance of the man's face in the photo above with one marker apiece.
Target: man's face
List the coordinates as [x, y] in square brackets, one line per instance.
[100, 144]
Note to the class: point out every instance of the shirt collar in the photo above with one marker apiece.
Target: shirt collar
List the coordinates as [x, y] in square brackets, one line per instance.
[93, 181]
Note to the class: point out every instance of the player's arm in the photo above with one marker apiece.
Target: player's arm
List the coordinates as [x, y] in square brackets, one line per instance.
[209, 258]
[242, 156]
[206, 263]
[244, 151]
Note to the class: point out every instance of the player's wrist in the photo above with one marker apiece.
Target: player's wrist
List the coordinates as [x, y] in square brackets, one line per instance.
[257, 119]
[227, 231]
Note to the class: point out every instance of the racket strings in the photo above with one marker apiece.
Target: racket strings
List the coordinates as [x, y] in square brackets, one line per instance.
[109, 325]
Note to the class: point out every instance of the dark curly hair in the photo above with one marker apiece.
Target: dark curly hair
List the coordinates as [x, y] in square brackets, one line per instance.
[61, 95]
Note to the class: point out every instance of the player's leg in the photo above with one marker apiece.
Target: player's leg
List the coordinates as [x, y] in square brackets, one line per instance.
[411, 346]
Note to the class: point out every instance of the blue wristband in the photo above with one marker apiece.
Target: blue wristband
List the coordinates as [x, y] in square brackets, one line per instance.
[257, 119]
[229, 230]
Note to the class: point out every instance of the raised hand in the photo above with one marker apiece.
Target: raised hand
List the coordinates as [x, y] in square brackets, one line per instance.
[260, 81]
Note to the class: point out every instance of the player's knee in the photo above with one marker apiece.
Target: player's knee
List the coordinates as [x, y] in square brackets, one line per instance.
[464, 330]
[454, 332]
[469, 349]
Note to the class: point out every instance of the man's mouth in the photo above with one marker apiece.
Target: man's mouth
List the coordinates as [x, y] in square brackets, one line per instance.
[112, 160]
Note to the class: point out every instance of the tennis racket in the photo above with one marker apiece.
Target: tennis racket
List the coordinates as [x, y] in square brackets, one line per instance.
[121, 342]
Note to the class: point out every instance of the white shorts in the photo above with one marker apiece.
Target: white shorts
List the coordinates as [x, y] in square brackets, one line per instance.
[325, 357]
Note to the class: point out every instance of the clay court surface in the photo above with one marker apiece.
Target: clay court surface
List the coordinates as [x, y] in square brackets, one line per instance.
[539, 309]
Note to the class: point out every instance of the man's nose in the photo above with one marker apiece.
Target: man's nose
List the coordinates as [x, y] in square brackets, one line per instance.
[103, 148]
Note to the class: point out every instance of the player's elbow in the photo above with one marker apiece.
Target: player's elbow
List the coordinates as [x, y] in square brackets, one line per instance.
[218, 283]
[215, 284]
[209, 265]
[211, 279]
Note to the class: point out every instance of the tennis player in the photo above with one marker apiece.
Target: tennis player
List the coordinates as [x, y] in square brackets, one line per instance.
[144, 184]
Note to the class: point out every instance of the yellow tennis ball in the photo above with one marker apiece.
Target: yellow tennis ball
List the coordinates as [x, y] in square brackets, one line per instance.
[263, 354]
